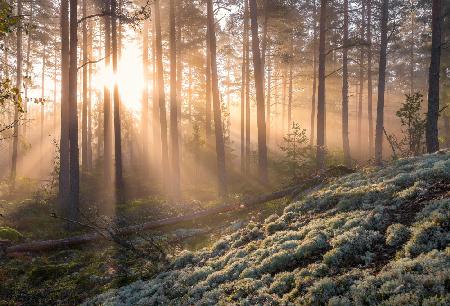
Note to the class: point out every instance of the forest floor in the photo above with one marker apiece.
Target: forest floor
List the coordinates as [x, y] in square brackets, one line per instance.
[376, 237]
[380, 235]
[68, 277]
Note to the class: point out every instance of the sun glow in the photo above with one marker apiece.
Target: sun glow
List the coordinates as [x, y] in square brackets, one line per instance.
[129, 77]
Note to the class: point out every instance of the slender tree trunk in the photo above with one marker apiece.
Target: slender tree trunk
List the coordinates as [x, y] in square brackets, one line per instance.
[243, 91]
[314, 84]
[190, 93]
[208, 91]
[220, 146]
[369, 77]
[89, 115]
[144, 114]
[84, 147]
[269, 92]
[42, 121]
[283, 106]
[321, 88]
[247, 88]
[361, 79]
[381, 83]
[55, 67]
[289, 110]
[175, 158]
[345, 139]
[259, 84]
[157, 148]
[73, 114]
[107, 135]
[117, 109]
[433, 79]
[64, 154]
[411, 56]
[161, 96]
[28, 69]
[19, 87]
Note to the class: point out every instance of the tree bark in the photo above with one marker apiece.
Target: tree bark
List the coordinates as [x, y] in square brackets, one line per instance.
[269, 92]
[345, 139]
[314, 84]
[369, 77]
[84, 137]
[361, 80]
[19, 87]
[73, 114]
[243, 93]
[64, 154]
[247, 88]
[175, 158]
[161, 96]
[144, 114]
[120, 196]
[42, 121]
[107, 135]
[433, 79]
[220, 146]
[259, 85]
[381, 83]
[208, 90]
[321, 88]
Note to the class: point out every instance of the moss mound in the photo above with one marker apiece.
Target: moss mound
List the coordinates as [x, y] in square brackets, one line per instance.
[7, 233]
[380, 236]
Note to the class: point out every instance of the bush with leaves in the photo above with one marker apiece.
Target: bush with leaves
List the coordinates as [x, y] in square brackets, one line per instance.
[298, 161]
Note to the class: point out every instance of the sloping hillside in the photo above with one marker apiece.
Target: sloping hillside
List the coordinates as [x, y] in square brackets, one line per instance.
[380, 236]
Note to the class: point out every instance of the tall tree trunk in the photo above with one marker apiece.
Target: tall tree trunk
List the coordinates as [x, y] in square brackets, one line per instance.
[161, 96]
[156, 128]
[117, 124]
[381, 83]
[283, 102]
[369, 76]
[411, 54]
[42, 121]
[89, 114]
[107, 126]
[64, 154]
[73, 114]
[220, 146]
[84, 140]
[243, 91]
[314, 84]
[19, 87]
[208, 90]
[28, 70]
[247, 88]
[361, 79]
[289, 110]
[433, 79]
[259, 85]
[345, 139]
[144, 112]
[175, 158]
[321, 88]
[269, 92]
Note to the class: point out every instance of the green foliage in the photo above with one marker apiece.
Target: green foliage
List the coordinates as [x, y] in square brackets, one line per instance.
[7, 20]
[413, 127]
[298, 156]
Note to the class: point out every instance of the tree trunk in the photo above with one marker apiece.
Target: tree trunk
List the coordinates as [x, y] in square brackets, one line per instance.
[314, 84]
[361, 80]
[73, 114]
[64, 154]
[321, 88]
[247, 88]
[259, 85]
[28, 70]
[381, 83]
[175, 158]
[117, 109]
[269, 92]
[345, 139]
[144, 114]
[157, 148]
[42, 121]
[289, 109]
[107, 135]
[369, 76]
[243, 92]
[89, 106]
[19, 87]
[84, 138]
[220, 146]
[161, 96]
[433, 79]
[208, 90]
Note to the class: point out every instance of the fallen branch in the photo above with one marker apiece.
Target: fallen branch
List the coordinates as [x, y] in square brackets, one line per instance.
[47, 245]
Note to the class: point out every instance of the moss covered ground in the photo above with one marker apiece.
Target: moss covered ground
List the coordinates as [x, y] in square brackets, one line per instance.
[376, 237]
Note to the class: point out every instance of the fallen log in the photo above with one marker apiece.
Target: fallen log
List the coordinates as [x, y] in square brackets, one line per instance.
[47, 245]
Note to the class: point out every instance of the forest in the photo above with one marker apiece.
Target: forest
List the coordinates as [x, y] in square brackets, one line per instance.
[226, 152]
